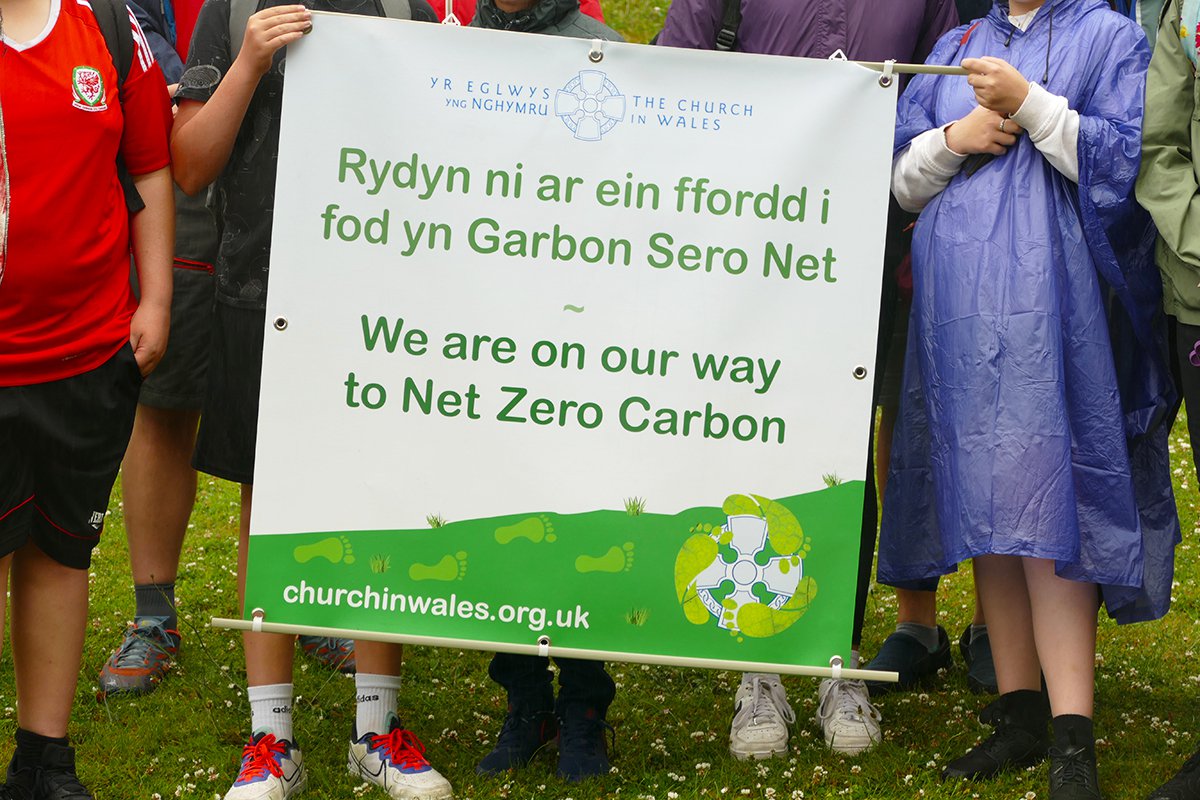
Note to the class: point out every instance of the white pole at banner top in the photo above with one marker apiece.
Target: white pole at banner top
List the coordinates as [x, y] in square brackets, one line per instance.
[543, 648]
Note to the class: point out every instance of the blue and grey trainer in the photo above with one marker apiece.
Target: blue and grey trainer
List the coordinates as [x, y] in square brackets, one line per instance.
[142, 660]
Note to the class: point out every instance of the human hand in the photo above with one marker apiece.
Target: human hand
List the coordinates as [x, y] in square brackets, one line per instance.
[982, 131]
[171, 90]
[997, 84]
[148, 331]
[270, 29]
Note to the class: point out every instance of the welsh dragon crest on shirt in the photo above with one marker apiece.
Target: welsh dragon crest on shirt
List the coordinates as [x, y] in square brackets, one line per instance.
[87, 84]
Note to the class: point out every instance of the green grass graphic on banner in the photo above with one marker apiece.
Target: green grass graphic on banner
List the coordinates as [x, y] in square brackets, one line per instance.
[738, 581]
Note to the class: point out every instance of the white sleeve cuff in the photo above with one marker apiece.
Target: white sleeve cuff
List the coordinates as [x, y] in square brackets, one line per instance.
[1040, 113]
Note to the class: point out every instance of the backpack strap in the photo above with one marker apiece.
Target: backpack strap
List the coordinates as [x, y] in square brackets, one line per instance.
[395, 9]
[113, 18]
[240, 11]
[239, 15]
[727, 36]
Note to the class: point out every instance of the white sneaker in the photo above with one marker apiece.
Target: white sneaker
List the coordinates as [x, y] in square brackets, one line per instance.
[761, 717]
[850, 722]
[272, 769]
[395, 762]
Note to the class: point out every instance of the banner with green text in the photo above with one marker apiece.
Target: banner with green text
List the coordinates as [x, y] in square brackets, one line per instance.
[569, 340]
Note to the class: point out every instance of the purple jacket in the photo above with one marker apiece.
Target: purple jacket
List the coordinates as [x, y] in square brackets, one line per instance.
[865, 30]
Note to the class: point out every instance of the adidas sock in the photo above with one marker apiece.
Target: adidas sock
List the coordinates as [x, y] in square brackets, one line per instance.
[376, 697]
[977, 631]
[924, 634]
[156, 600]
[30, 747]
[271, 709]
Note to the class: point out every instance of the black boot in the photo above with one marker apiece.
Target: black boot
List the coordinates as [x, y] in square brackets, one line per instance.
[529, 724]
[18, 783]
[1185, 785]
[1018, 737]
[582, 746]
[1073, 760]
[524, 733]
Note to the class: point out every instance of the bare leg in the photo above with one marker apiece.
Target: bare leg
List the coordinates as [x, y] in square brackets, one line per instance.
[159, 488]
[916, 606]
[5, 566]
[46, 656]
[979, 617]
[1000, 582]
[268, 655]
[378, 658]
[1064, 625]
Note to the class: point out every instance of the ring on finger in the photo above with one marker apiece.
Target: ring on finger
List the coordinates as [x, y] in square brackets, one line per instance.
[1002, 123]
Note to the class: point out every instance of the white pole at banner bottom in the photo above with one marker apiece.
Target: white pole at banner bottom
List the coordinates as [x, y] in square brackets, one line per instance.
[546, 649]
[914, 69]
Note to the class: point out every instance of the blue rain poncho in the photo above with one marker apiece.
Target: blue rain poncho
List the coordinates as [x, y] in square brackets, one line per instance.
[1036, 380]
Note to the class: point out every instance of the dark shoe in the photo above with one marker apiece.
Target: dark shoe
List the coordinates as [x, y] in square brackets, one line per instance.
[1073, 773]
[18, 784]
[903, 654]
[521, 738]
[1019, 737]
[330, 652]
[1186, 783]
[1184, 786]
[582, 748]
[56, 778]
[981, 670]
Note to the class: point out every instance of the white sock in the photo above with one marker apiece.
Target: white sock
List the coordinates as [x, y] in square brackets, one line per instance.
[376, 697]
[271, 709]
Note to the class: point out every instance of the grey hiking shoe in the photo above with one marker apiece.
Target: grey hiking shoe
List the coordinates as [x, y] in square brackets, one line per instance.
[142, 660]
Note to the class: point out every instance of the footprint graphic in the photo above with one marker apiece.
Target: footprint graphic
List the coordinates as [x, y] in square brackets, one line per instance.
[535, 529]
[617, 559]
[760, 621]
[450, 568]
[697, 553]
[335, 550]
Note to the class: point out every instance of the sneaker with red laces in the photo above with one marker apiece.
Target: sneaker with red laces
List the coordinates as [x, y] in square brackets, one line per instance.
[142, 660]
[272, 769]
[395, 762]
[330, 652]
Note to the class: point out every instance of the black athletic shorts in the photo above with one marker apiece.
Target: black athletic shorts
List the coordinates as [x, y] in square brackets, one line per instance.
[229, 419]
[61, 444]
[178, 380]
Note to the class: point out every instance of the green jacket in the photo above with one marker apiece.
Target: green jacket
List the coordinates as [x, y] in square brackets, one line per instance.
[551, 17]
[1169, 184]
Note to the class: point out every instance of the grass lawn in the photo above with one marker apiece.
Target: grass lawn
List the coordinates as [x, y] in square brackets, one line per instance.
[671, 724]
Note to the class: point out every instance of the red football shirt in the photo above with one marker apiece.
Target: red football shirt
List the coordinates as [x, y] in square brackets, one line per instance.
[65, 301]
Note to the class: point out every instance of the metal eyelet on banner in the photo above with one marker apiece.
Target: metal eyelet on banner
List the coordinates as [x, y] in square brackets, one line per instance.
[835, 664]
[281, 323]
[597, 54]
[544, 646]
[257, 615]
[889, 71]
[860, 372]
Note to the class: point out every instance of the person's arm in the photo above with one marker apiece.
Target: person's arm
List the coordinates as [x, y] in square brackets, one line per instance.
[204, 131]
[152, 231]
[1167, 186]
[933, 158]
[693, 24]
[1053, 126]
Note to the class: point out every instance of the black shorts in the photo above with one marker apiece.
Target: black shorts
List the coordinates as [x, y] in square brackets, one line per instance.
[178, 380]
[61, 444]
[229, 419]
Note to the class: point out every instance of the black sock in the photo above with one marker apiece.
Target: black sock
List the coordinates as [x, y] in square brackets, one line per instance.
[1073, 730]
[156, 600]
[30, 747]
